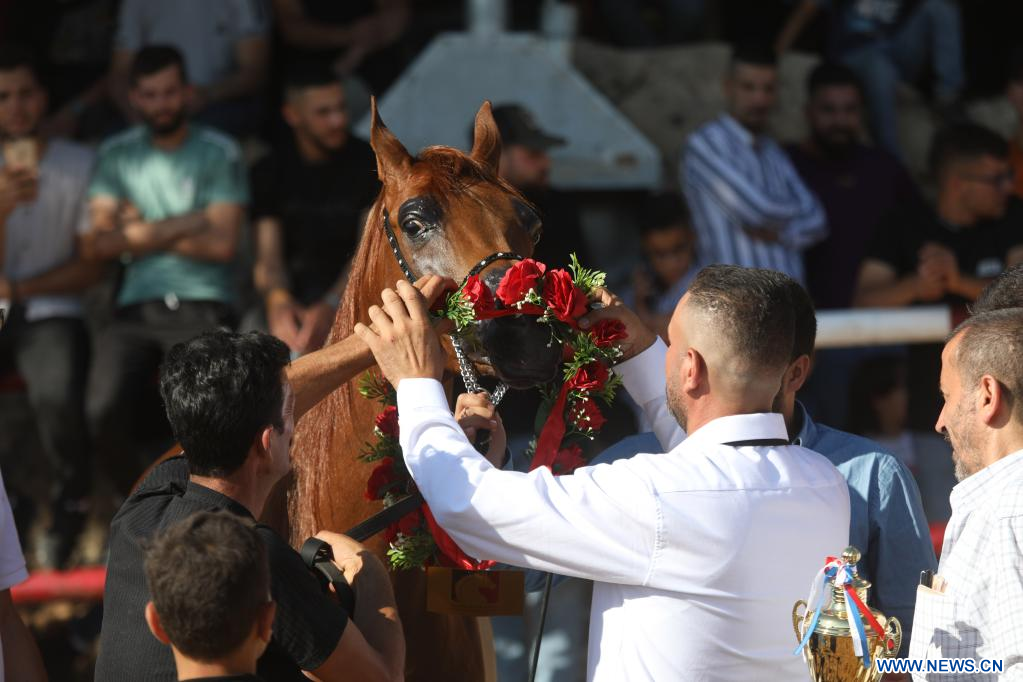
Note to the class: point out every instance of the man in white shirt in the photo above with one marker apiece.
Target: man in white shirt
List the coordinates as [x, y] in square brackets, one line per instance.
[697, 554]
[973, 608]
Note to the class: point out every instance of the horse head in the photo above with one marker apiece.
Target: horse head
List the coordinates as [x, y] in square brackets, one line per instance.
[450, 214]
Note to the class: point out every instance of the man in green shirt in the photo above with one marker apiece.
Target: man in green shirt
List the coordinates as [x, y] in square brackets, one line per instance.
[167, 200]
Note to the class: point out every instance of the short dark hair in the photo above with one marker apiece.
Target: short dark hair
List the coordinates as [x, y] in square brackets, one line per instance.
[304, 75]
[661, 211]
[964, 142]
[16, 56]
[753, 310]
[1005, 292]
[220, 390]
[209, 578]
[155, 58]
[992, 343]
[805, 324]
[756, 54]
[832, 74]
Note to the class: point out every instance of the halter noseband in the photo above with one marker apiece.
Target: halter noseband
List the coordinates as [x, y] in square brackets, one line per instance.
[469, 376]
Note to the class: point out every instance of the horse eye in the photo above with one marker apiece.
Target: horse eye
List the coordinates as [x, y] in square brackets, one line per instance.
[413, 227]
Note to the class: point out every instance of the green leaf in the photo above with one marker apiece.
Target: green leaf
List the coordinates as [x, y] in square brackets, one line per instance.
[584, 278]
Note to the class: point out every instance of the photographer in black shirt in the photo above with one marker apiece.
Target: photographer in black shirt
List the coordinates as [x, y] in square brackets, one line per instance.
[233, 400]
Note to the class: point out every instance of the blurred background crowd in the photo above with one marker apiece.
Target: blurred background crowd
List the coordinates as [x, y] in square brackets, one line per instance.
[172, 167]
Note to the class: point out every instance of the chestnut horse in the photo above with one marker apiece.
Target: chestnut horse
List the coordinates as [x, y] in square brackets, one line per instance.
[449, 211]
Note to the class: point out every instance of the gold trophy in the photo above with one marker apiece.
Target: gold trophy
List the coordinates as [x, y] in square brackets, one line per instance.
[829, 650]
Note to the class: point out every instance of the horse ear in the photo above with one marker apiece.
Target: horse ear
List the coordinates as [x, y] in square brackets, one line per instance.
[486, 139]
[393, 160]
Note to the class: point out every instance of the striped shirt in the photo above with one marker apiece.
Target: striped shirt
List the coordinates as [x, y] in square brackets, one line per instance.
[737, 185]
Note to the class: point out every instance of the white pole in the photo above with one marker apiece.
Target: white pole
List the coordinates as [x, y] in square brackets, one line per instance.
[882, 326]
[487, 17]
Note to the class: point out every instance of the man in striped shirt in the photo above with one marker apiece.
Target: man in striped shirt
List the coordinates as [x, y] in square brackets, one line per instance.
[749, 205]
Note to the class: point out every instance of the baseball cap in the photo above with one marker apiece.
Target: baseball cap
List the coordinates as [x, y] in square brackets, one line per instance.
[517, 126]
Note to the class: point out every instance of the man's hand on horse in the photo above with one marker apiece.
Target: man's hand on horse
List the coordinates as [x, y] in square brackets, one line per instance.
[475, 413]
[349, 555]
[610, 307]
[403, 339]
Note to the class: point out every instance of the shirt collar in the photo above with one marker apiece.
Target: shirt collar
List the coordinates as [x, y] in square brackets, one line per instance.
[737, 129]
[985, 484]
[739, 427]
[211, 497]
[808, 430]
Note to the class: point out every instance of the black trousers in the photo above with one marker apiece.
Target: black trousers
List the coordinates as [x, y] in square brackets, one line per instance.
[52, 356]
[123, 381]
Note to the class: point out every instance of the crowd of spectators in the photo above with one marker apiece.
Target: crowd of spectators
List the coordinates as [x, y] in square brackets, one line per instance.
[141, 177]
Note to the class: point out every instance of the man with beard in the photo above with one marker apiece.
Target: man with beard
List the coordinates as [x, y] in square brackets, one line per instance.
[43, 213]
[973, 607]
[310, 196]
[167, 201]
[697, 554]
[748, 203]
[856, 184]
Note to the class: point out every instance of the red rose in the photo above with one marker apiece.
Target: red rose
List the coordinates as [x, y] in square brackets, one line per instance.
[519, 280]
[387, 421]
[568, 460]
[382, 476]
[408, 524]
[563, 297]
[477, 293]
[606, 332]
[391, 533]
[586, 415]
[591, 377]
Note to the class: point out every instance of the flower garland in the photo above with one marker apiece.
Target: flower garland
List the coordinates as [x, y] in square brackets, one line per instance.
[569, 413]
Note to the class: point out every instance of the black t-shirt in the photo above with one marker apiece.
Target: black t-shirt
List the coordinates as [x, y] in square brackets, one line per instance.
[226, 678]
[980, 249]
[562, 229]
[319, 207]
[307, 626]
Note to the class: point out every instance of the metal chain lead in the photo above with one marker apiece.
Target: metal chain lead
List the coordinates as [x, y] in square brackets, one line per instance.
[471, 379]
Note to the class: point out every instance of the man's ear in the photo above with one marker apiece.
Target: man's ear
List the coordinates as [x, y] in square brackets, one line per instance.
[265, 622]
[694, 370]
[289, 114]
[992, 403]
[797, 374]
[153, 621]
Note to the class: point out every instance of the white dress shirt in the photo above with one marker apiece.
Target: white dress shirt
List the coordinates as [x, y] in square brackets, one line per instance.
[12, 562]
[980, 613]
[698, 555]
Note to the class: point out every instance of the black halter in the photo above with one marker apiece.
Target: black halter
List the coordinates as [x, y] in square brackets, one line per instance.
[392, 239]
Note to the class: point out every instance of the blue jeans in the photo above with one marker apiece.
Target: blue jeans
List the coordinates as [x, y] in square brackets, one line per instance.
[932, 31]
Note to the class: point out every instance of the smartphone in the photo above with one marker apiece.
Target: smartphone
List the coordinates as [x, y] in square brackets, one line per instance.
[21, 153]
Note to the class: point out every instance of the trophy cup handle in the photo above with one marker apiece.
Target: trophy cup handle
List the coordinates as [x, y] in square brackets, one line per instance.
[797, 619]
[893, 632]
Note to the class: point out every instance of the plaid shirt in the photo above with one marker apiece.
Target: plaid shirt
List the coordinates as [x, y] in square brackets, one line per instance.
[980, 613]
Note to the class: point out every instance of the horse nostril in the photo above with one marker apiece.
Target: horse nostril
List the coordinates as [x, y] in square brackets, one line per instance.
[522, 352]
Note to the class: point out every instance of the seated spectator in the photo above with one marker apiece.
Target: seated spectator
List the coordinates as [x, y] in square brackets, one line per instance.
[43, 213]
[225, 48]
[749, 205]
[1014, 93]
[233, 400]
[856, 184]
[209, 582]
[947, 254]
[886, 43]
[1005, 292]
[879, 410]
[309, 200]
[952, 252]
[167, 200]
[345, 37]
[23, 662]
[526, 165]
[669, 250]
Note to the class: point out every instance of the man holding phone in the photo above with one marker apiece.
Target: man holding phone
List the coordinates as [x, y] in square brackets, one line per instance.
[42, 214]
